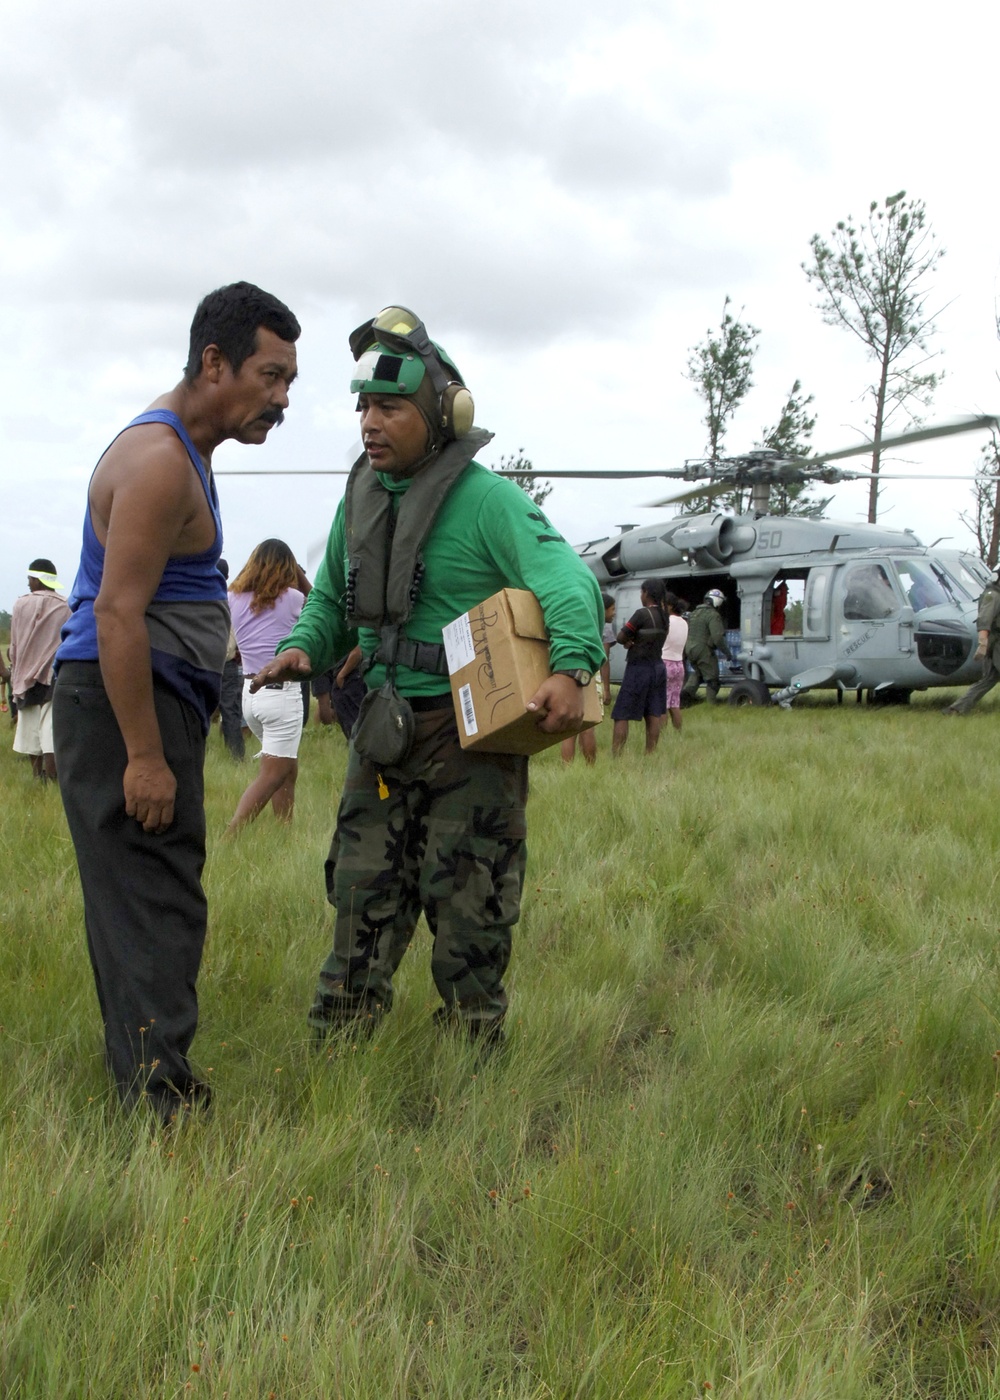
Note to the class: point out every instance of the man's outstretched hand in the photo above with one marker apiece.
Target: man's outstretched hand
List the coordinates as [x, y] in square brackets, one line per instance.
[291, 665]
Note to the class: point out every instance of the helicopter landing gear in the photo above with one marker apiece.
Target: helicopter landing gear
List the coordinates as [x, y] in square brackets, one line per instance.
[890, 695]
[749, 693]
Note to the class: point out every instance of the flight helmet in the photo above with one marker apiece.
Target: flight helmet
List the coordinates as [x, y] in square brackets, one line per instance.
[395, 355]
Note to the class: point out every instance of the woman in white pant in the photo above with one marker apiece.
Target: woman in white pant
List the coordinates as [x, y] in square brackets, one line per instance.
[265, 598]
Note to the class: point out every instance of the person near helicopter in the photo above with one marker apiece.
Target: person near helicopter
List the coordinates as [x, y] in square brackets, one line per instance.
[706, 637]
[643, 691]
[988, 650]
[425, 533]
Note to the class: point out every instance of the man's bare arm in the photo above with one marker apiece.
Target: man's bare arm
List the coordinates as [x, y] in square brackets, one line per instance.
[146, 509]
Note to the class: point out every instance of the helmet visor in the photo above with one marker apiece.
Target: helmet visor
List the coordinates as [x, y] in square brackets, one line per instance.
[395, 327]
[402, 333]
[380, 371]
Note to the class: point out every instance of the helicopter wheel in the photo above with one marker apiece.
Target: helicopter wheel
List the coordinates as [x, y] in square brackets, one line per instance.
[749, 693]
[892, 695]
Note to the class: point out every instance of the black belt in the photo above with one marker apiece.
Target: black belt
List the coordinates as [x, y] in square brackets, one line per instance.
[419, 703]
[422, 656]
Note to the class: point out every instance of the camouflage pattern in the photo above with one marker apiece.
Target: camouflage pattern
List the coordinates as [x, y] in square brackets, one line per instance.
[987, 620]
[706, 632]
[704, 667]
[447, 840]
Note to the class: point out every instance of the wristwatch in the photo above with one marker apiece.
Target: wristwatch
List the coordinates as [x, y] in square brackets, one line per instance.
[580, 676]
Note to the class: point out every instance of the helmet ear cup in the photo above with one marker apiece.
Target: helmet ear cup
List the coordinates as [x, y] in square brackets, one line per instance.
[457, 411]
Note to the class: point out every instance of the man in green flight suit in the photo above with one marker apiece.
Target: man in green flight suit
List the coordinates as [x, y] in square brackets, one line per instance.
[424, 534]
[706, 635]
[988, 650]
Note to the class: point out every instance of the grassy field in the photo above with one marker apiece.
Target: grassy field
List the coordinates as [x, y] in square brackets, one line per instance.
[744, 1141]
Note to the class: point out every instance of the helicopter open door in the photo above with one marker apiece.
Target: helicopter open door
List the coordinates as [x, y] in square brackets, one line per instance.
[690, 589]
[785, 611]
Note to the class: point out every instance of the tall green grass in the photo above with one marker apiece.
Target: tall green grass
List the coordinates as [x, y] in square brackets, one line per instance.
[743, 1140]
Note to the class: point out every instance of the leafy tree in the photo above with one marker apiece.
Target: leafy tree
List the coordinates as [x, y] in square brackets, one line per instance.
[984, 518]
[720, 369]
[790, 436]
[532, 485]
[872, 281]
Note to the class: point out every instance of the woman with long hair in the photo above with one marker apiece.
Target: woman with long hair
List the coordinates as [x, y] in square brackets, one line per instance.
[265, 598]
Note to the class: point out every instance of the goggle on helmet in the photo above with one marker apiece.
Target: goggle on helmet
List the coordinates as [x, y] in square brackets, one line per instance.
[394, 354]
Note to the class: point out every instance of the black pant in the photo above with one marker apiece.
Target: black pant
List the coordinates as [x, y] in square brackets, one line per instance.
[145, 909]
[231, 708]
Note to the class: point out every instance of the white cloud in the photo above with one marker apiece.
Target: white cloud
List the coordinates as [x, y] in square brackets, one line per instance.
[565, 191]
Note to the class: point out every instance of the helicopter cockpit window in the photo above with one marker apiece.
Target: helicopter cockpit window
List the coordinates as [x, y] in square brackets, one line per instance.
[868, 593]
[921, 588]
[955, 591]
[972, 574]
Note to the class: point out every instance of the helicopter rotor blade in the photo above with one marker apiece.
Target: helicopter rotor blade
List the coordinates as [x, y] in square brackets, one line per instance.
[958, 425]
[708, 488]
[350, 457]
[286, 471]
[908, 476]
[611, 474]
[716, 488]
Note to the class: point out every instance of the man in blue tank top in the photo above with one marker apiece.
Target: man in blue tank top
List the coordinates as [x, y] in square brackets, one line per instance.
[138, 675]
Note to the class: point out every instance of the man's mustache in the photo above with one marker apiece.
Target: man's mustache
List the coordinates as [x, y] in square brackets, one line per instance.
[274, 416]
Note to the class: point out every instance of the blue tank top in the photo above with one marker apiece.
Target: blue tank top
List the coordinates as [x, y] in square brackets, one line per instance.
[188, 615]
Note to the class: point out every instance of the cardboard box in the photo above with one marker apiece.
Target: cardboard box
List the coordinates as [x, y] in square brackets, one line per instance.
[498, 656]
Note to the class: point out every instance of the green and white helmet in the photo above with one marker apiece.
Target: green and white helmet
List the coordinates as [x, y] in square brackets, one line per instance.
[395, 355]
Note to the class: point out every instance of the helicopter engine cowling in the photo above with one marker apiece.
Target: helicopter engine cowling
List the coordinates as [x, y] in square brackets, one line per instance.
[645, 549]
[714, 540]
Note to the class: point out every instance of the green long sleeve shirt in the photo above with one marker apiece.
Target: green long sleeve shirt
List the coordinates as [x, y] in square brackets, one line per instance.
[706, 632]
[988, 619]
[488, 535]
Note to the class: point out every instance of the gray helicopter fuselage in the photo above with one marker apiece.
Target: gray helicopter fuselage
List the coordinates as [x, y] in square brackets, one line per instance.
[810, 604]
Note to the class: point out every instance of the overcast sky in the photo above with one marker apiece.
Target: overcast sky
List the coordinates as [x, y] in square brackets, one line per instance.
[566, 191]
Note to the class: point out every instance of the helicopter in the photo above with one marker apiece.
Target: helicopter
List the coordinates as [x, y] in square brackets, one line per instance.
[810, 603]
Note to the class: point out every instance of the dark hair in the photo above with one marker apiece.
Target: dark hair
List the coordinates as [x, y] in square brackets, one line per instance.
[656, 589]
[42, 566]
[270, 569]
[672, 601]
[230, 318]
[607, 600]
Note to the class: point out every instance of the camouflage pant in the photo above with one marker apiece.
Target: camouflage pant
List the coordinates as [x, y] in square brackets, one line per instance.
[990, 677]
[704, 667]
[447, 840]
